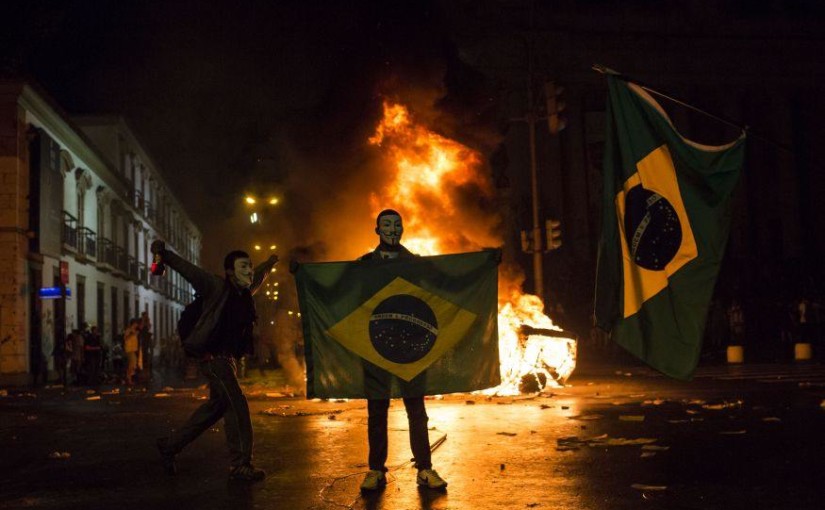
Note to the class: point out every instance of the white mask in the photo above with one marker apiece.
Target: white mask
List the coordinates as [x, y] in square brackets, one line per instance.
[243, 272]
[389, 229]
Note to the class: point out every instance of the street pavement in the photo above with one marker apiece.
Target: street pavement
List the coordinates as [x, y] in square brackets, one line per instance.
[747, 437]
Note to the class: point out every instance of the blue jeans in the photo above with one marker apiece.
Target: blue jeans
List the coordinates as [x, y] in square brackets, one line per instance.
[227, 401]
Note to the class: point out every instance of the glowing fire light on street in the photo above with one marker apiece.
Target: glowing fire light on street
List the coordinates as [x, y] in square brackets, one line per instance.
[435, 180]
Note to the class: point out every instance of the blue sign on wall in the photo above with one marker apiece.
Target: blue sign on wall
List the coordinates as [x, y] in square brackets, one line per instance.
[53, 293]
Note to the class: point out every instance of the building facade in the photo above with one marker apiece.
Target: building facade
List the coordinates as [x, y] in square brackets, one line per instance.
[80, 202]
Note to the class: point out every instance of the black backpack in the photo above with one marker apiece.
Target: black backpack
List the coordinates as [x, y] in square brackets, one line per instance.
[189, 317]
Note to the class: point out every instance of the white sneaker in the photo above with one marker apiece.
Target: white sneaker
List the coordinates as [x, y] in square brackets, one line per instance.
[430, 479]
[374, 480]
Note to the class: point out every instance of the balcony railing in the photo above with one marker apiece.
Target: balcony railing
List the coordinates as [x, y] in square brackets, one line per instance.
[132, 268]
[87, 242]
[143, 274]
[121, 262]
[69, 231]
[106, 252]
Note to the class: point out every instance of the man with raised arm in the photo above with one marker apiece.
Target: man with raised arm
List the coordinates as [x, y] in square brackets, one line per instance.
[221, 335]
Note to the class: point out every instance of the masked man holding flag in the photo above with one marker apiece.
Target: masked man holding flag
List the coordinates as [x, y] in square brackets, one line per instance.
[389, 228]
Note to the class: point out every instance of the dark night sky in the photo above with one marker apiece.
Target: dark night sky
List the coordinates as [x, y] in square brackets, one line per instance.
[210, 87]
[280, 96]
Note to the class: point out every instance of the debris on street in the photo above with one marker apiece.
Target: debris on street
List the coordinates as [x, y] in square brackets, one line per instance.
[723, 405]
[631, 417]
[655, 447]
[586, 417]
[644, 487]
[60, 455]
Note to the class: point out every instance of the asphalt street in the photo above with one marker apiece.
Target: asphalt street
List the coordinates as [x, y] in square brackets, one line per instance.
[613, 438]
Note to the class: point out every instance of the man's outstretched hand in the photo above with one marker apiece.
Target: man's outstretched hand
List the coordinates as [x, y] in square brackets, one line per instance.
[272, 260]
[158, 246]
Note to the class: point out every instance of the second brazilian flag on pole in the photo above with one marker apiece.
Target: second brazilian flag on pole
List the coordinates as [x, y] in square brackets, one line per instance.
[665, 226]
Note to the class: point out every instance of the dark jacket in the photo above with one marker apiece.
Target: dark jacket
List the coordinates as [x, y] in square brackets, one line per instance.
[215, 292]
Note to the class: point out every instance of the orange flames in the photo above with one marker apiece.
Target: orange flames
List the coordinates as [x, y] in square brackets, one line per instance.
[449, 205]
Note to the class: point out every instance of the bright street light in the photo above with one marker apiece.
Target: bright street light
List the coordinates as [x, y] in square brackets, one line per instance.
[250, 200]
[273, 201]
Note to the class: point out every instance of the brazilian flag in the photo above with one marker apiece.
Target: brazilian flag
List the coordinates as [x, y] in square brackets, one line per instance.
[665, 226]
[400, 328]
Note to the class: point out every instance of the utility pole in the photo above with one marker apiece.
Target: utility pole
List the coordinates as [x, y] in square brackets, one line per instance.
[538, 269]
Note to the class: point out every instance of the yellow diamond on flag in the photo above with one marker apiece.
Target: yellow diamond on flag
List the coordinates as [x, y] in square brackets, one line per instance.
[654, 228]
[403, 328]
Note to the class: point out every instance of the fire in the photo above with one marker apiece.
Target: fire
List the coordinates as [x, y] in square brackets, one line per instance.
[445, 195]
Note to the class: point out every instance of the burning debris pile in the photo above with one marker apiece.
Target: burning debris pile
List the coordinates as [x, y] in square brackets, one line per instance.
[448, 202]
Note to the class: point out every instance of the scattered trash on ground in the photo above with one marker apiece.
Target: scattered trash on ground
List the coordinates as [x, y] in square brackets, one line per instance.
[655, 448]
[574, 442]
[655, 402]
[631, 417]
[723, 405]
[281, 411]
[509, 434]
[644, 487]
[114, 391]
[162, 395]
[60, 455]
[274, 394]
[646, 455]
[470, 402]
[93, 397]
[167, 388]
[586, 417]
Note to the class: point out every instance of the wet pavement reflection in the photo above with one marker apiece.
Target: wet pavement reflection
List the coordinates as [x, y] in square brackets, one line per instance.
[609, 441]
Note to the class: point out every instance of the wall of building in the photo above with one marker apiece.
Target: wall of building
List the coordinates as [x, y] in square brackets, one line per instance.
[111, 211]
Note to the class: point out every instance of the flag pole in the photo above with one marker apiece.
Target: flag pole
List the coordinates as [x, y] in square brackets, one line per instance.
[743, 127]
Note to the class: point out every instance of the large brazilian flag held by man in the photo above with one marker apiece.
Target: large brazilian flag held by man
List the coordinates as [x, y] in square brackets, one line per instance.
[400, 328]
[665, 227]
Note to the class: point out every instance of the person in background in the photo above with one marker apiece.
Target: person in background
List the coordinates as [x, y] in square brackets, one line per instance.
[92, 356]
[147, 345]
[76, 364]
[131, 349]
[60, 353]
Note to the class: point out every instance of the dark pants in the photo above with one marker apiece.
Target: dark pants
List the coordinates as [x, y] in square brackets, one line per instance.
[92, 361]
[227, 401]
[377, 432]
